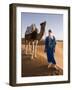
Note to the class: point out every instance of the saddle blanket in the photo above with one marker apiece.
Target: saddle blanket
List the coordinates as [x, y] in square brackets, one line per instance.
[30, 29]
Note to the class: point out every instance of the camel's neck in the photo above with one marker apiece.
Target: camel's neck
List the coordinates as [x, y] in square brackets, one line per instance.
[42, 29]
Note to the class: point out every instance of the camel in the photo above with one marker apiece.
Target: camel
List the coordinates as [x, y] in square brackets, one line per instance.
[34, 37]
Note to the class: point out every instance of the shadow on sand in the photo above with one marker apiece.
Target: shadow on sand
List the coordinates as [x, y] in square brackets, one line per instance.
[36, 67]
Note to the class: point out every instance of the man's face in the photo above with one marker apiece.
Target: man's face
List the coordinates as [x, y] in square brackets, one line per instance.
[49, 33]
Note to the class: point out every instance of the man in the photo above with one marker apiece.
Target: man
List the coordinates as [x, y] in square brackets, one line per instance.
[50, 44]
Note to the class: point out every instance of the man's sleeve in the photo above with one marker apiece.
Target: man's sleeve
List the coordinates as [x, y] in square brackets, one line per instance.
[54, 42]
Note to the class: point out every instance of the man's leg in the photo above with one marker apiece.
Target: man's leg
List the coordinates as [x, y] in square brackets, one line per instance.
[52, 58]
[54, 62]
[49, 58]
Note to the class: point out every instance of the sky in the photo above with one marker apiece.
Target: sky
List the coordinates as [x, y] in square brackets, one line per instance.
[53, 22]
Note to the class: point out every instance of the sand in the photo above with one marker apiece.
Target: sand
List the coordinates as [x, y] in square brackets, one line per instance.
[39, 65]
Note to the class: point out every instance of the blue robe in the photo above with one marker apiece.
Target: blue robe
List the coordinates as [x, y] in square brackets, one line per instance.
[50, 44]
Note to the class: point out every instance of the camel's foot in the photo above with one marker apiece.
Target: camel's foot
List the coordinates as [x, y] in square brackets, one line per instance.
[32, 57]
[35, 56]
[28, 52]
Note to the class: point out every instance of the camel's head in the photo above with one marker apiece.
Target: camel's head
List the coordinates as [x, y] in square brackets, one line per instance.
[43, 23]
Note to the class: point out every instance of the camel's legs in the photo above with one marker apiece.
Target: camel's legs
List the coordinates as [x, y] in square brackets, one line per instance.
[35, 48]
[32, 49]
[26, 46]
[29, 47]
